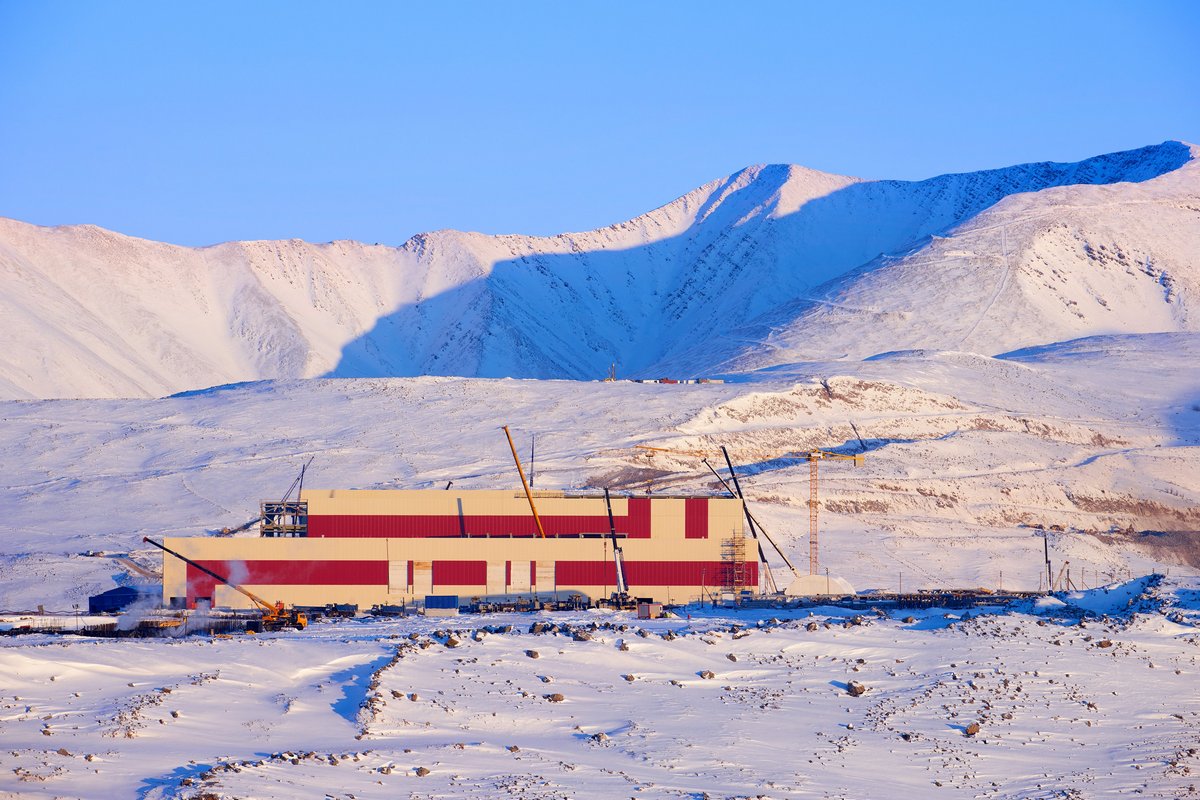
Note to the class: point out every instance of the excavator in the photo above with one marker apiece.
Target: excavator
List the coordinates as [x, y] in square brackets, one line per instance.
[275, 616]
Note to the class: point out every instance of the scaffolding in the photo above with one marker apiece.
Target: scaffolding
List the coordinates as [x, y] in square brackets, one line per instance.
[287, 519]
[733, 563]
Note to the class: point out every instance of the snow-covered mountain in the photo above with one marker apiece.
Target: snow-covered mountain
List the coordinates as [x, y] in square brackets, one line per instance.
[769, 266]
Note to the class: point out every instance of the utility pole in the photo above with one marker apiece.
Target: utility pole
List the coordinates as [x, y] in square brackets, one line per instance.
[1049, 572]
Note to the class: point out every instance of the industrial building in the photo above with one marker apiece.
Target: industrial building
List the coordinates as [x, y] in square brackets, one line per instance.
[370, 547]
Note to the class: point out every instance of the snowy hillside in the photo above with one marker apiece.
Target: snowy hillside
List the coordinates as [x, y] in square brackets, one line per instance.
[967, 456]
[772, 265]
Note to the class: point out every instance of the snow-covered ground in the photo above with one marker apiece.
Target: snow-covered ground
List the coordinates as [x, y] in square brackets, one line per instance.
[721, 704]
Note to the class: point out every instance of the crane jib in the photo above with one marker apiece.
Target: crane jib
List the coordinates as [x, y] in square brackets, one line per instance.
[258, 600]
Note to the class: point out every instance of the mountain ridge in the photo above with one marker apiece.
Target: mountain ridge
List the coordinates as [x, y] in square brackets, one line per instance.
[714, 281]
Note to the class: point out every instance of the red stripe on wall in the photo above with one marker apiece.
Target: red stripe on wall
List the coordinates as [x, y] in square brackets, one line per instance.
[410, 573]
[636, 524]
[585, 573]
[712, 574]
[507, 574]
[695, 518]
[459, 573]
[685, 573]
[302, 573]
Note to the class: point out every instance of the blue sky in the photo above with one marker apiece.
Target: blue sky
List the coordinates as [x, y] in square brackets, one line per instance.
[196, 123]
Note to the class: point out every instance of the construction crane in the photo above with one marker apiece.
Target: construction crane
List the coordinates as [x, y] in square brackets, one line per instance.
[652, 450]
[814, 457]
[753, 519]
[620, 598]
[276, 511]
[521, 472]
[737, 492]
[275, 616]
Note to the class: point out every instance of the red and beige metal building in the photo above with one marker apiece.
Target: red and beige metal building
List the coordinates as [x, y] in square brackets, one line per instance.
[370, 547]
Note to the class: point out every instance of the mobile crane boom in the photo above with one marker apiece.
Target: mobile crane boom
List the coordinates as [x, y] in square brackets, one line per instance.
[275, 615]
[618, 553]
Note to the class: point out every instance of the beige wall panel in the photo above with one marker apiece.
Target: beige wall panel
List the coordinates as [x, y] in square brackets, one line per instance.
[362, 596]
[725, 518]
[667, 519]
[224, 597]
[495, 578]
[474, 502]
[258, 548]
[520, 578]
[398, 577]
[422, 578]
[544, 577]
[465, 591]
[464, 549]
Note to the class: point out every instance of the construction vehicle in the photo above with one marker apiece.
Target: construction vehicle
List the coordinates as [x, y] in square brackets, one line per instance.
[275, 616]
[620, 598]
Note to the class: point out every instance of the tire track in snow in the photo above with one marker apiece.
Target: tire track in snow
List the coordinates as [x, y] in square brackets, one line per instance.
[999, 288]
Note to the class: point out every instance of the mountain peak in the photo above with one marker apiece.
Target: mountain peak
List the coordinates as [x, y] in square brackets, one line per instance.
[775, 262]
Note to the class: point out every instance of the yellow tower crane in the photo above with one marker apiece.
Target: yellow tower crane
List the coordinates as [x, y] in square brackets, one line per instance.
[814, 458]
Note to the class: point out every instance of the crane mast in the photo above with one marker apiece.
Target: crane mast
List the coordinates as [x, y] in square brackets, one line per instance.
[618, 554]
[813, 457]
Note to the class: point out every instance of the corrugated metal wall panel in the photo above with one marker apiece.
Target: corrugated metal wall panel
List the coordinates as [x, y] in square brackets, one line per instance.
[675, 573]
[497, 582]
[486, 502]
[267, 573]
[422, 526]
[422, 578]
[295, 555]
[398, 572]
[460, 573]
[696, 518]
[544, 576]
[520, 576]
[638, 521]
[585, 573]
